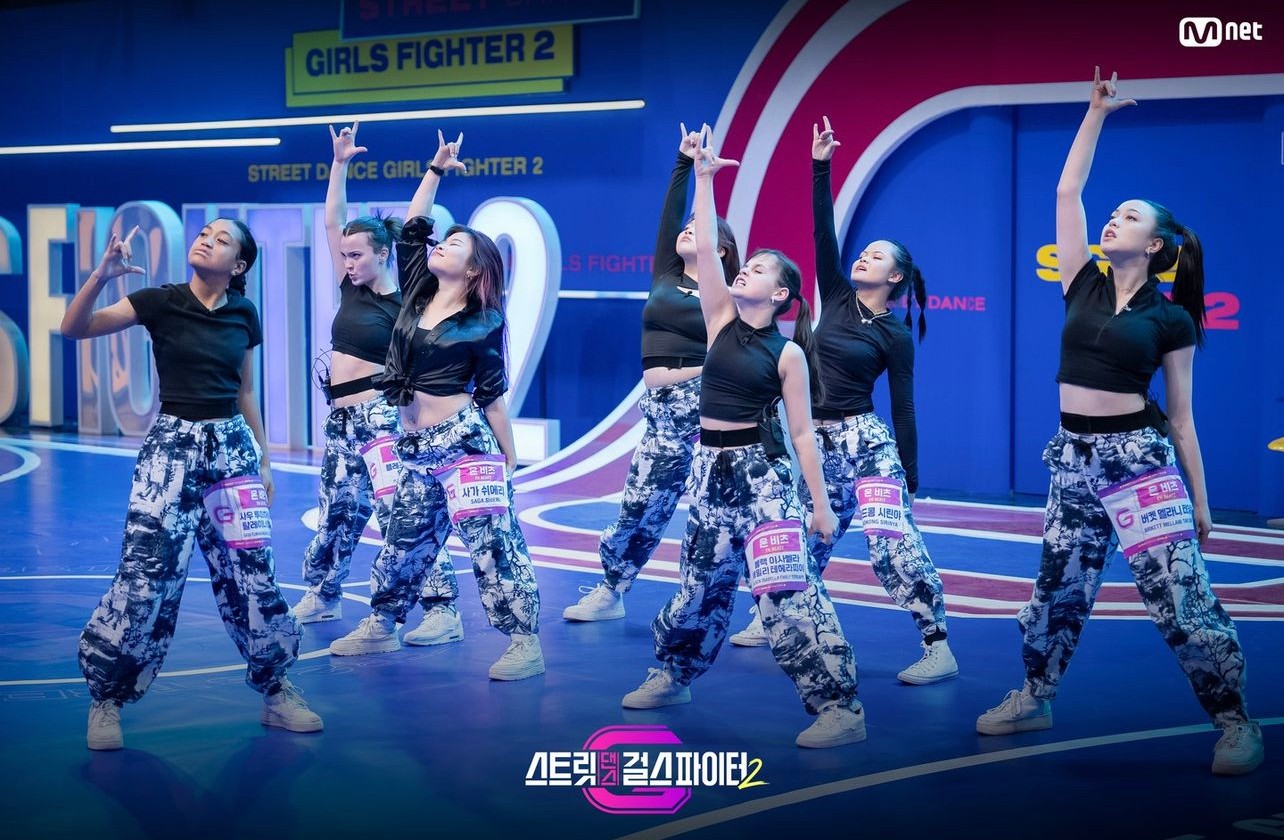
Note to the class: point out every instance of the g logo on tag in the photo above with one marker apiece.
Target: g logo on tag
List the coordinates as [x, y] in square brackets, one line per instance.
[224, 514]
[1125, 519]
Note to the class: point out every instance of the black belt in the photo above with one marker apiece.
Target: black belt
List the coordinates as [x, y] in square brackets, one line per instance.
[1082, 424]
[196, 412]
[729, 437]
[671, 362]
[352, 386]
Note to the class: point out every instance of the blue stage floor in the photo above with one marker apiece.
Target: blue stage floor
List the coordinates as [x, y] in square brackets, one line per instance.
[420, 743]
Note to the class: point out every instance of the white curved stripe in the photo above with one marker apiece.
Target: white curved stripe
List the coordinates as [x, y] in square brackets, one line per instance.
[29, 462]
[594, 433]
[900, 774]
[1200, 87]
[806, 67]
[750, 68]
[623, 445]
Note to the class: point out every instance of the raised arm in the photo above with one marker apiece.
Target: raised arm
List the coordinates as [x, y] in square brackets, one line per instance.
[446, 159]
[336, 194]
[1178, 378]
[830, 276]
[667, 260]
[715, 298]
[81, 320]
[1072, 222]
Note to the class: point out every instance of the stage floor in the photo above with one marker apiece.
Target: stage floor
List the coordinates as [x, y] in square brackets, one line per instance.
[421, 741]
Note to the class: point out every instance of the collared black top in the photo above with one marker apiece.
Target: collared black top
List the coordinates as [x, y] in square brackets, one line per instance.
[854, 354]
[741, 372]
[673, 333]
[467, 347]
[1118, 352]
[198, 351]
[363, 325]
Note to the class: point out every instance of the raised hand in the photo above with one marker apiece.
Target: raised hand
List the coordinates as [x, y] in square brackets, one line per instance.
[707, 163]
[345, 143]
[1104, 96]
[823, 142]
[690, 145]
[447, 156]
[116, 259]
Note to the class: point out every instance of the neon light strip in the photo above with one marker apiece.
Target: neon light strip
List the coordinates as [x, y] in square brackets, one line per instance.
[387, 116]
[578, 294]
[141, 145]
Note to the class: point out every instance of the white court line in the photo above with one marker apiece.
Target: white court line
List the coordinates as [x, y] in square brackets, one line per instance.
[808, 794]
[190, 672]
[125, 452]
[29, 463]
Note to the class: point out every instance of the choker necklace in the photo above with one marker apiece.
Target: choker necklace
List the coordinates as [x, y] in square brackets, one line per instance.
[861, 309]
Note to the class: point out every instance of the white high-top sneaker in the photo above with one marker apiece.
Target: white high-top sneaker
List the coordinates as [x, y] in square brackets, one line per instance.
[524, 658]
[754, 635]
[375, 634]
[602, 603]
[937, 664]
[1019, 712]
[286, 709]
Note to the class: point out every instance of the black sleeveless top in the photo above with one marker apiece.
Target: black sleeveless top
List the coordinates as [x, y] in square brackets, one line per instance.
[673, 333]
[363, 325]
[741, 372]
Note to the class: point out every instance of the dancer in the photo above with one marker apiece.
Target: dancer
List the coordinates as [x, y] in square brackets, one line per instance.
[203, 476]
[746, 515]
[360, 467]
[1114, 474]
[865, 467]
[673, 349]
[457, 448]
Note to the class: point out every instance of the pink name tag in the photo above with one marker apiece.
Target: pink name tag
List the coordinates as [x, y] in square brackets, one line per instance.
[383, 465]
[882, 506]
[1150, 510]
[239, 510]
[777, 562]
[475, 485]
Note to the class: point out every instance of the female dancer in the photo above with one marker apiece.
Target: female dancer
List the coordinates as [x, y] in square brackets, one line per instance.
[856, 341]
[673, 348]
[457, 449]
[202, 477]
[745, 505]
[1112, 462]
[360, 467]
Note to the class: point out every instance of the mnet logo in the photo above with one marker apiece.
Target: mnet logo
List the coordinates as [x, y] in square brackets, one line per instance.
[1211, 31]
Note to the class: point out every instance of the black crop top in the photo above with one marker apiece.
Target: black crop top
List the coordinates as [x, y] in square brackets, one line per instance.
[363, 325]
[1118, 352]
[741, 372]
[673, 333]
[852, 354]
[198, 351]
[466, 347]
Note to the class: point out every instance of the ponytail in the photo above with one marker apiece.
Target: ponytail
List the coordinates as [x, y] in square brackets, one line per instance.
[383, 232]
[806, 339]
[249, 253]
[911, 278]
[1188, 286]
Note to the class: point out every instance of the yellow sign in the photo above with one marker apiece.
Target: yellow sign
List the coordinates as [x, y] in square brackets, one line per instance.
[322, 70]
[1050, 269]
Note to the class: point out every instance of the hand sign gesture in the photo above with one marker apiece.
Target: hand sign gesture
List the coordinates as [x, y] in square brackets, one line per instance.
[116, 260]
[708, 163]
[1104, 95]
[345, 143]
[447, 156]
[690, 145]
[823, 142]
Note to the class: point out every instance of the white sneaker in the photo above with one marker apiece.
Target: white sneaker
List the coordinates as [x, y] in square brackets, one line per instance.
[1019, 712]
[375, 634]
[936, 665]
[602, 603]
[104, 726]
[1239, 750]
[755, 635]
[440, 626]
[658, 689]
[312, 608]
[524, 658]
[287, 710]
[834, 726]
